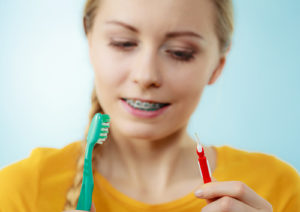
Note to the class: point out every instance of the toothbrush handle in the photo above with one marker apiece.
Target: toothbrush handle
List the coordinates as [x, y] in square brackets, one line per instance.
[85, 197]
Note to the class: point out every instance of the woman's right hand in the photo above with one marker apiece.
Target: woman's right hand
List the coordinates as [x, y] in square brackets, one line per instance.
[93, 209]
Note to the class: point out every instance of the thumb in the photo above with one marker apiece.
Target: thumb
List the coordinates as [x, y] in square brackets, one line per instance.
[93, 208]
[213, 199]
[203, 185]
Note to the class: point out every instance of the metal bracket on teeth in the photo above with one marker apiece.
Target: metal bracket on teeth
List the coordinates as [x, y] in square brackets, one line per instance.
[143, 105]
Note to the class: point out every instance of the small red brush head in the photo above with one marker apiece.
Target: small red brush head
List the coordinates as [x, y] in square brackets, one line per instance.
[201, 152]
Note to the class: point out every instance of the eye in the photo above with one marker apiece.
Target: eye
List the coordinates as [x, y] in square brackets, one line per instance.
[183, 56]
[125, 45]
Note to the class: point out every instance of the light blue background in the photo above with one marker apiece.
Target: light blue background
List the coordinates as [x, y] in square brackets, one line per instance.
[46, 80]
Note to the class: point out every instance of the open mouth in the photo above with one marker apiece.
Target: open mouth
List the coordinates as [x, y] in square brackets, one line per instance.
[145, 105]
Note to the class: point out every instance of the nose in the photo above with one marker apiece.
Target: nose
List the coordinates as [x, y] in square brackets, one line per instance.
[145, 72]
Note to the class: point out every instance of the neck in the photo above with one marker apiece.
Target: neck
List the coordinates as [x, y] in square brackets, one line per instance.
[153, 164]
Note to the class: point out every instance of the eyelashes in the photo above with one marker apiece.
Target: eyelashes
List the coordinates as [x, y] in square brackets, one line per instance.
[122, 45]
[181, 56]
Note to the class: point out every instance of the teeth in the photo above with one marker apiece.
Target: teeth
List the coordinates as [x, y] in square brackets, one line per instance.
[144, 105]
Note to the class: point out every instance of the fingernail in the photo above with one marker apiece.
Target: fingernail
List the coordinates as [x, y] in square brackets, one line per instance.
[199, 193]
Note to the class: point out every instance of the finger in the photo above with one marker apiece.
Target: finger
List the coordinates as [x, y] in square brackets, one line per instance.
[202, 184]
[227, 204]
[235, 189]
[93, 208]
[74, 211]
[213, 199]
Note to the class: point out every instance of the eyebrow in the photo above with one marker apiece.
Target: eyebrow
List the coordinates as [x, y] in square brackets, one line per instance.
[168, 35]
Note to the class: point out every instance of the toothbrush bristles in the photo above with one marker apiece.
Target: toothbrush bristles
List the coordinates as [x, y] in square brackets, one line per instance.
[104, 129]
[101, 140]
[199, 145]
[103, 134]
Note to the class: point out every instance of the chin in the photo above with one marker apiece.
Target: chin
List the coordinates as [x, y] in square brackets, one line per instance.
[143, 131]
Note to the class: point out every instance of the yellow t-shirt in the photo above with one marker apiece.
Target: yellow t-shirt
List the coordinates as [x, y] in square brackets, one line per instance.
[40, 183]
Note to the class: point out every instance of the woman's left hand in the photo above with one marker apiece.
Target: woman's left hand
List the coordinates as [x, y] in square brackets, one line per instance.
[233, 196]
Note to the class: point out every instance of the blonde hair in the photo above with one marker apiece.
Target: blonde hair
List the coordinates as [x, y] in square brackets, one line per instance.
[224, 29]
[74, 191]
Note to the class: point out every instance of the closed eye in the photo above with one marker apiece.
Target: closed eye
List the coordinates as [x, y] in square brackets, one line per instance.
[122, 45]
[183, 56]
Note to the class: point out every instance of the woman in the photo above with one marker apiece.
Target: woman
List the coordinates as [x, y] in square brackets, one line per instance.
[161, 54]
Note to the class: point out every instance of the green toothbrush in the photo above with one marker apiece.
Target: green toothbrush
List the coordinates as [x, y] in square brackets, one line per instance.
[97, 134]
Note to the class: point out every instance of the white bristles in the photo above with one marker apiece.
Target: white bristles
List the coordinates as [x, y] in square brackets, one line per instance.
[101, 140]
[199, 146]
[103, 134]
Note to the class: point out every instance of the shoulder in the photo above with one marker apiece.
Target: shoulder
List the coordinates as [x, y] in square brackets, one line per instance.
[21, 182]
[258, 162]
[272, 178]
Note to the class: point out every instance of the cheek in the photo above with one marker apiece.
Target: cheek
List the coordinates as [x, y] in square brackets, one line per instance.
[108, 78]
[109, 72]
[188, 81]
[191, 93]
[187, 86]
[105, 67]
[187, 90]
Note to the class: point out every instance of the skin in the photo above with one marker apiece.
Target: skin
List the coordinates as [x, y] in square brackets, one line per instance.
[148, 66]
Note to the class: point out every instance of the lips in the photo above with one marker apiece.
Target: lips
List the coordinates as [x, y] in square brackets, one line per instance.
[145, 100]
[145, 105]
[144, 109]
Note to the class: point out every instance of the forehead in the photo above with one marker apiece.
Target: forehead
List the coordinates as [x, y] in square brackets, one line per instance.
[160, 15]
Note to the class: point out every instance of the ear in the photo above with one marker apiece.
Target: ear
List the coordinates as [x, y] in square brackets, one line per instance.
[87, 33]
[218, 70]
[220, 66]
[85, 25]
[89, 42]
